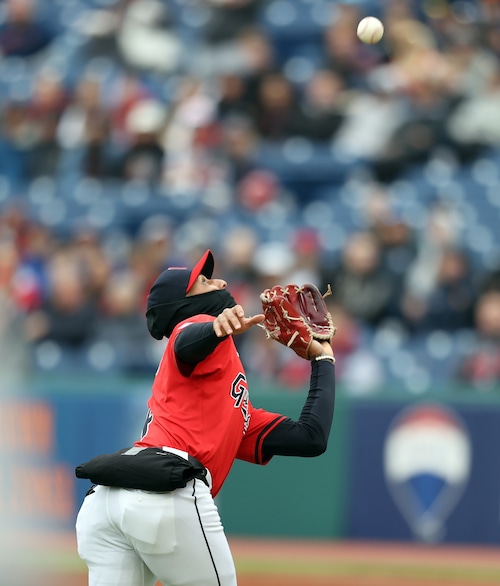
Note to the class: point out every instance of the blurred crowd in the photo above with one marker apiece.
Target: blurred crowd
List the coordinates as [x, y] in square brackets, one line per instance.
[175, 109]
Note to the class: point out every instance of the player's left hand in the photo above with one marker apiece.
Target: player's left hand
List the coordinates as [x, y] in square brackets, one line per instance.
[233, 321]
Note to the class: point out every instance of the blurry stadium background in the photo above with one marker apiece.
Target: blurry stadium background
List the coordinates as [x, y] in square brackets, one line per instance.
[137, 133]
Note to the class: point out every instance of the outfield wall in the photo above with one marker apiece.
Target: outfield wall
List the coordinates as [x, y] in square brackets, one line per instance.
[396, 468]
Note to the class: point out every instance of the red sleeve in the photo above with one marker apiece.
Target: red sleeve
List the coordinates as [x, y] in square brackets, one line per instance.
[261, 423]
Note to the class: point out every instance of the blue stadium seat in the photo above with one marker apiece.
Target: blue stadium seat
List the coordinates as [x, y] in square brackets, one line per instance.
[305, 167]
[291, 24]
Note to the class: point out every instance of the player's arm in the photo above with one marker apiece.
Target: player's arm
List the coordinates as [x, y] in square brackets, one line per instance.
[193, 344]
[308, 436]
[196, 341]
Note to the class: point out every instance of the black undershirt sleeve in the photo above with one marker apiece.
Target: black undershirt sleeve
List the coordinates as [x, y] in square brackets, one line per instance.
[193, 344]
[308, 436]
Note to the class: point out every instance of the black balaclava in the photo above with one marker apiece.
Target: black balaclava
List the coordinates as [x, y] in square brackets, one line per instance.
[162, 319]
[167, 301]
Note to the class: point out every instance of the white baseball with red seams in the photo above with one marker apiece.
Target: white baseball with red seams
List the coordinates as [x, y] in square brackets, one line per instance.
[370, 30]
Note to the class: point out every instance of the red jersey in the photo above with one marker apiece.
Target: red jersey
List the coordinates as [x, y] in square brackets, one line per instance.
[207, 414]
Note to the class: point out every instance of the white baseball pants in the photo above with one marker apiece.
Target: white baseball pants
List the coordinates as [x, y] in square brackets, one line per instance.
[131, 537]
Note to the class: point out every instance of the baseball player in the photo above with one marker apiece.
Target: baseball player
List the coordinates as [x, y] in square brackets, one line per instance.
[199, 407]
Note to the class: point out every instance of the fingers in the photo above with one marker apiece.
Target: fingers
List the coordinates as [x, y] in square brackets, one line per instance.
[318, 348]
[233, 321]
[326, 345]
[256, 319]
[229, 321]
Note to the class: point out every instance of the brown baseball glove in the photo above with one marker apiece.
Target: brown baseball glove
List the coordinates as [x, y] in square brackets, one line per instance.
[296, 315]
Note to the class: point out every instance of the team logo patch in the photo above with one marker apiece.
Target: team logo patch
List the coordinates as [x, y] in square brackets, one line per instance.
[427, 462]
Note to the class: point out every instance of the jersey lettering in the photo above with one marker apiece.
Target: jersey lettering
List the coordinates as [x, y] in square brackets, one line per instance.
[238, 389]
[239, 392]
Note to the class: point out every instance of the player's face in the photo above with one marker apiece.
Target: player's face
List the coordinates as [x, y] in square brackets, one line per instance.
[204, 285]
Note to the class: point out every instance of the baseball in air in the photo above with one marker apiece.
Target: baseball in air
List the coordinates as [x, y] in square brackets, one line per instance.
[370, 30]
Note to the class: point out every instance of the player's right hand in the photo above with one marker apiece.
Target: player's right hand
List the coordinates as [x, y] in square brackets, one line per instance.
[233, 321]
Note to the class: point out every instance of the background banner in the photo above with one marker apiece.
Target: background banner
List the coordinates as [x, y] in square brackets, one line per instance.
[425, 472]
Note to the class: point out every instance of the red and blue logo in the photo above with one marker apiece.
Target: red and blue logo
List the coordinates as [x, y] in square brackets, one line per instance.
[427, 462]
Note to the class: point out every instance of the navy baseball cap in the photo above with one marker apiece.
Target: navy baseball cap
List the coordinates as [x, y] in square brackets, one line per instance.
[175, 282]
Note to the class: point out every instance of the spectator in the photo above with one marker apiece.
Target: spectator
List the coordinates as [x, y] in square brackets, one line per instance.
[15, 144]
[361, 284]
[371, 118]
[395, 236]
[450, 305]
[191, 136]
[239, 148]
[233, 100]
[306, 248]
[424, 128]
[67, 316]
[321, 111]
[23, 33]
[490, 280]
[441, 232]
[474, 125]
[481, 366]
[492, 37]
[122, 326]
[238, 250]
[124, 93]
[44, 110]
[276, 108]
[151, 250]
[88, 256]
[228, 18]
[258, 190]
[147, 39]
[35, 245]
[348, 337]
[85, 130]
[144, 158]
[13, 297]
[30, 142]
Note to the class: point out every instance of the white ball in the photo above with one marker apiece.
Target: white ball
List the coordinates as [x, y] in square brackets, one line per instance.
[370, 30]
